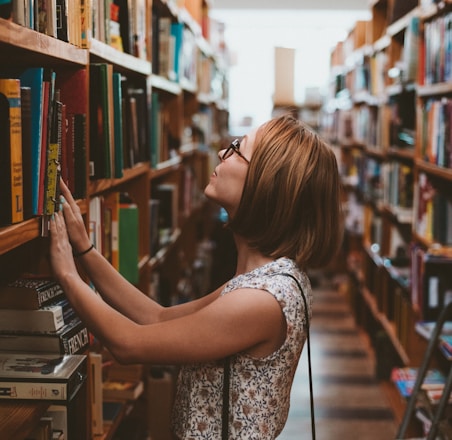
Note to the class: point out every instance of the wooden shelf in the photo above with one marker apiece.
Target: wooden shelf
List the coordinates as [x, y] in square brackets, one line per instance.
[27, 46]
[18, 419]
[101, 52]
[18, 234]
[104, 185]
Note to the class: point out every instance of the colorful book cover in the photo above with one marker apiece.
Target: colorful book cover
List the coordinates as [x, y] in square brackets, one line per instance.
[11, 192]
[34, 376]
[33, 78]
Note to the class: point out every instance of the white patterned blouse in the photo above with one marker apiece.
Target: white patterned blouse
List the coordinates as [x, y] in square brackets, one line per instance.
[259, 387]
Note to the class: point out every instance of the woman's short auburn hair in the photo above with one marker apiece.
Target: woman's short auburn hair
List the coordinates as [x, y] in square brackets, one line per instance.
[291, 202]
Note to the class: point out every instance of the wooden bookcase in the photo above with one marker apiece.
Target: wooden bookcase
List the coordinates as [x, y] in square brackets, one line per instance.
[192, 121]
[397, 190]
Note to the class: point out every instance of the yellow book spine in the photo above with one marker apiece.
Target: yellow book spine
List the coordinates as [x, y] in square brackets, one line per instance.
[11, 89]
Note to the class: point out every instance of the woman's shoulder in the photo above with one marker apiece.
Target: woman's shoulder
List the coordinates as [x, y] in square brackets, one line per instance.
[269, 276]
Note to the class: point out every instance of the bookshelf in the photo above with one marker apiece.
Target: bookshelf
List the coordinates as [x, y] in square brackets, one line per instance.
[387, 118]
[179, 123]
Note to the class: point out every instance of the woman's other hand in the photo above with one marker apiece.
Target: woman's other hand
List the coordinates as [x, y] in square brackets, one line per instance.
[74, 221]
[61, 257]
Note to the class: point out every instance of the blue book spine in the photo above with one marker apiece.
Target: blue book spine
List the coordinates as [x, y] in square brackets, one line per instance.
[33, 78]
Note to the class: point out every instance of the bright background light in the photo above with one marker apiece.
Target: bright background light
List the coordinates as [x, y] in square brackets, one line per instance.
[251, 37]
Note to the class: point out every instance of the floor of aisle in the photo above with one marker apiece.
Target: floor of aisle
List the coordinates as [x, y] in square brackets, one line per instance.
[349, 402]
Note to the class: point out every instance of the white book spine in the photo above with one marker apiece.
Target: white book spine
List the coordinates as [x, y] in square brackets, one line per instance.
[33, 390]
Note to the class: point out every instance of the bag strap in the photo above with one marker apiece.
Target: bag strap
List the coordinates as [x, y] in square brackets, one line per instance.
[225, 413]
[226, 374]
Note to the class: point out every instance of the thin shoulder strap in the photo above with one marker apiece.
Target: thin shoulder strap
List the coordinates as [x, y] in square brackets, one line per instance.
[308, 341]
[226, 374]
[225, 412]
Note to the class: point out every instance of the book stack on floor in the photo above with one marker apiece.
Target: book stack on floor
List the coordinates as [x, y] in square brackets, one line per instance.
[41, 354]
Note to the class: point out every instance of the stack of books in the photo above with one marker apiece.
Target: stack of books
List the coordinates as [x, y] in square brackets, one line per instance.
[35, 316]
[42, 341]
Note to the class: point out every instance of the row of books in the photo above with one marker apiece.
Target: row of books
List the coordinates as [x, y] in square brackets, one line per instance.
[114, 230]
[121, 24]
[438, 50]
[431, 282]
[436, 142]
[36, 103]
[118, 123]
[67, 21]
[432, 211]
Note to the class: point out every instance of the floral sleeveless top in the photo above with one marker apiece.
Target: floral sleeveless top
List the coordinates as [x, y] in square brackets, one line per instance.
[259, 388]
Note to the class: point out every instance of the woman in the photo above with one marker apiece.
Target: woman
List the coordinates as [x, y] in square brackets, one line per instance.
[280, 187]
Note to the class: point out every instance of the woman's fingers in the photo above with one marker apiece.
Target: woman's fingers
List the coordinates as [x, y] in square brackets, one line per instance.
[68, 196]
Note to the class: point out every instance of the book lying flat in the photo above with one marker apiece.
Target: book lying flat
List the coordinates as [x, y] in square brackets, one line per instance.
[405, 377]
[29, 293]
[46, 319]
[41, 376]
[72, 338]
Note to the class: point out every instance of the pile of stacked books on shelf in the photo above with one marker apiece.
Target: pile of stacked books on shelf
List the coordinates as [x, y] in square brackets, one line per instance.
[42, 342]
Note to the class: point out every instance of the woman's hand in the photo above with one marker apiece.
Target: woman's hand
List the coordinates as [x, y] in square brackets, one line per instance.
[74, 221]
[61, 257]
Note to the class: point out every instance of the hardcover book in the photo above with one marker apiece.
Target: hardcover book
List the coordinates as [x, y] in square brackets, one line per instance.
[29, 293]
[41, 376]
[11, 191]
[33, 78]
[72, 338]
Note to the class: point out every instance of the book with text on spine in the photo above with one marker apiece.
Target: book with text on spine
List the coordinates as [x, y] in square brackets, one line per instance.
[34, 376]
[29, 293]
[11, 187]
[72, 338]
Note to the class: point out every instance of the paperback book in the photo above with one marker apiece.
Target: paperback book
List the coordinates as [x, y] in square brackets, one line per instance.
[34, 376]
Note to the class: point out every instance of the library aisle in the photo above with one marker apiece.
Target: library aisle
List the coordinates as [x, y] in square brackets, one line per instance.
[349, 402]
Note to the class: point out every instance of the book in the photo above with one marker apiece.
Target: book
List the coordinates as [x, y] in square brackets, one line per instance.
[11, 192]
[122, 389]
[53, 169]
[46, 319]
[111, 206]
[73, 87]
[40, 376]
[72, 338]
[29, 293]
[27, 142]
[425, 328]
[33, 77]
[95, 386]
[128, 241]
[118, 125]
[405, 377]
[100, 129]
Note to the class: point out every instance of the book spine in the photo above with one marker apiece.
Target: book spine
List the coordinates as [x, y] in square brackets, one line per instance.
[10, 89]
[33, 391]
[76, 340]
[49, 294]
[53, 160]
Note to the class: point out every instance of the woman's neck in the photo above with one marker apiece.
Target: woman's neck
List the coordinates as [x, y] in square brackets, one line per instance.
[247, 257]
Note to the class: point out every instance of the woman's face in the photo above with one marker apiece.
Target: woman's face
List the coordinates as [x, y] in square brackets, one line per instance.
[226, 182]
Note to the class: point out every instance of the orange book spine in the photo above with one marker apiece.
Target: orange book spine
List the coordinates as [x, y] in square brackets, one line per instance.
[10, 88]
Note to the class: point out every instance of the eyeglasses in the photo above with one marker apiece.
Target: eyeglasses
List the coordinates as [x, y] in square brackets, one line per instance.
[233, 148]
